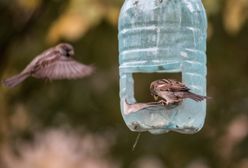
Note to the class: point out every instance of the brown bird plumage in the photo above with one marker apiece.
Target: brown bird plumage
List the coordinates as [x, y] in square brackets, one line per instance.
[53, 64]
[172, 92]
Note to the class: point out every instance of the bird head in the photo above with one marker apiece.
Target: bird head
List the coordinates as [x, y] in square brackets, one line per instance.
[153, 91]
[66, 49]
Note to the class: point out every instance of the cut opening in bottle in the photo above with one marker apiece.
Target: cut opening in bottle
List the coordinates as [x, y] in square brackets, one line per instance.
[142, 83]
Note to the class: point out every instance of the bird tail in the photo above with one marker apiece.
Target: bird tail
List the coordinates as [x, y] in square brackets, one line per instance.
[195, 97]
[91, 69]
[15, 80]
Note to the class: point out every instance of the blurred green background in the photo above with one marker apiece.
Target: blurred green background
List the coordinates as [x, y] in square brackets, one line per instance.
[78, 124]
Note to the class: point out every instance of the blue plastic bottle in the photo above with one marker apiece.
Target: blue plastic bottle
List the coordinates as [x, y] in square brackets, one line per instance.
[163, 36]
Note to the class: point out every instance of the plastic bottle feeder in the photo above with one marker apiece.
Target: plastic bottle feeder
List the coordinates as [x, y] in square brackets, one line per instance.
[163, 36]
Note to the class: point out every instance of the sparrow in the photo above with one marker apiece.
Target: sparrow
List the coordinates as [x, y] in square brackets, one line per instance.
[52, 64]
[172, 92]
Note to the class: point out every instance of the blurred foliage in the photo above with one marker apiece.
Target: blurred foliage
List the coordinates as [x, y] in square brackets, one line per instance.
[92, 104]
[80, 16]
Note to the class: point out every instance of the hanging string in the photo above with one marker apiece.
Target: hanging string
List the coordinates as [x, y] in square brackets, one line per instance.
[136, 141]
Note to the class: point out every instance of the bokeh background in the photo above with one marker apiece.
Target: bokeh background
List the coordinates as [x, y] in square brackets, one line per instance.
[78, 124]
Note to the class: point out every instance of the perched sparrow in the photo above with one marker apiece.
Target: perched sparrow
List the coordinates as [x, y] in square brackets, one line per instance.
[172, 92]
[132, 108]
[54, 63]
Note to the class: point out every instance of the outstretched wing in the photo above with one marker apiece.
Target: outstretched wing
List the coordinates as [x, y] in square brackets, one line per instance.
[46, 56]
[171, 85]
[64, 68]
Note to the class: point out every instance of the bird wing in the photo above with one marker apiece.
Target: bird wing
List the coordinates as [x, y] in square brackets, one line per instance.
[64, 68]
[171, 85]
[48, 54]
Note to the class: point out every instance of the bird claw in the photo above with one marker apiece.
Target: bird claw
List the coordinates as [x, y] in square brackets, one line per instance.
[162, 102]
[168, 103]
[176, 102]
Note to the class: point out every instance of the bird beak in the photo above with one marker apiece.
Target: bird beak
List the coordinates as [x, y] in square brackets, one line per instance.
[71, 52]
[155, 97]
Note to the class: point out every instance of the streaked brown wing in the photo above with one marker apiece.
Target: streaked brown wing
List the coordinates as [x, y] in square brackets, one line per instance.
[46, 56]
[178, 86]
[65, 69]
[172, 85]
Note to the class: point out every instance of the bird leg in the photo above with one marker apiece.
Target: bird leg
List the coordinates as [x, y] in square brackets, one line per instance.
[167, 103]
[163, 102]
[174, 102]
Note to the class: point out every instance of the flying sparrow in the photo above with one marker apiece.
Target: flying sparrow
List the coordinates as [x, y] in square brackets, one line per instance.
[172, 92]
[53, 64]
